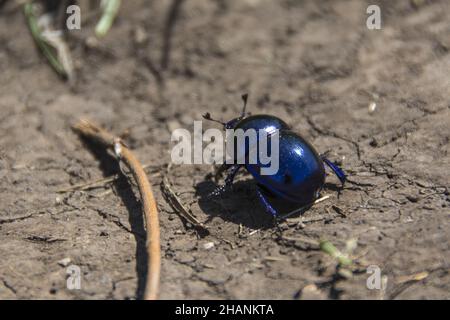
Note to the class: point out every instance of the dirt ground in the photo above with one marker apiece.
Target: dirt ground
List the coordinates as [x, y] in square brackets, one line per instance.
[314, 64]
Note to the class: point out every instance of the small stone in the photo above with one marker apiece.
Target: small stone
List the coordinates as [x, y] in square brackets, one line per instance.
[64, 262]
[58, 200]
[173, 125]
[140, 36]
[412, 198]
[184, 257]
[213, 277]
[311, 292]
[92, 42]
[208, 245]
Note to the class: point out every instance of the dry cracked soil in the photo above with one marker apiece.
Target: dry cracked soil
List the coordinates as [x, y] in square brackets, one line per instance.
[314, 64]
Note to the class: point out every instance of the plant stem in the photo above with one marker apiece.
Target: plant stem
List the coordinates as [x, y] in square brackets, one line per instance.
[100, 135]
[111, 8]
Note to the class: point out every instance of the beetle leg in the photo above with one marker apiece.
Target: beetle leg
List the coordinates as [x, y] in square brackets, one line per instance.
[266, 203]
[220, 170]
[228, 180]
[337, 171]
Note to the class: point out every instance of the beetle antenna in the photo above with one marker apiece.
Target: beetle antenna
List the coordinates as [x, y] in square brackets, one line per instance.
[207, 116]
[244, 98]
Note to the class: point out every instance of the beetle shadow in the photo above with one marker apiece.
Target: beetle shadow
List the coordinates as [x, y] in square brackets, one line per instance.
[240, 204]
[335, 188]
[110, 166]
[332, 187]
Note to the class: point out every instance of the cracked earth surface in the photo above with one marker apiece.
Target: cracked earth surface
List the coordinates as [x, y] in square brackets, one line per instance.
[312, 63]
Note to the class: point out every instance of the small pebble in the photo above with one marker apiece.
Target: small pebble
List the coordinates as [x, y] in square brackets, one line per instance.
[208, 245]
[92, 42]
[140, 36]
[311, 292]
[412, 198]
[173, 125]
[64, 262]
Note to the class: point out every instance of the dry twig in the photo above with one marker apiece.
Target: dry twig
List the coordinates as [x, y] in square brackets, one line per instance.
[98, 183]
[289, 214]
[179, 208]
[100, 135]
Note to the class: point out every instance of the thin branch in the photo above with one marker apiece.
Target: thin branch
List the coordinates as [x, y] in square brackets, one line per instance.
[98, 183]
[178, 206]
[100, 135]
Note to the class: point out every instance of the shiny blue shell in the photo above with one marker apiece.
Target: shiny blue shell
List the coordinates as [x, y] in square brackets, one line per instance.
[301, 173]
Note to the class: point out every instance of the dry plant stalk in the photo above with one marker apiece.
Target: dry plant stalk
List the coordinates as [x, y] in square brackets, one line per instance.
[178, 206]
[100, 135]
[98, 183]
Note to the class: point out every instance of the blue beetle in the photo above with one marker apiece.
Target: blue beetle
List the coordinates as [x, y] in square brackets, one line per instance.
[301, 173]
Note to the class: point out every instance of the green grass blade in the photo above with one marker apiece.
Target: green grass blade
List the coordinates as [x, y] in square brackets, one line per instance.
[111, 8]
[37, 36]
[329, 248]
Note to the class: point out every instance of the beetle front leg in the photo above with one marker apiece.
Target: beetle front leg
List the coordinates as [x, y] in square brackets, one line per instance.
[337, 171]
[228, 180]
[220, 170]
[269, 208]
